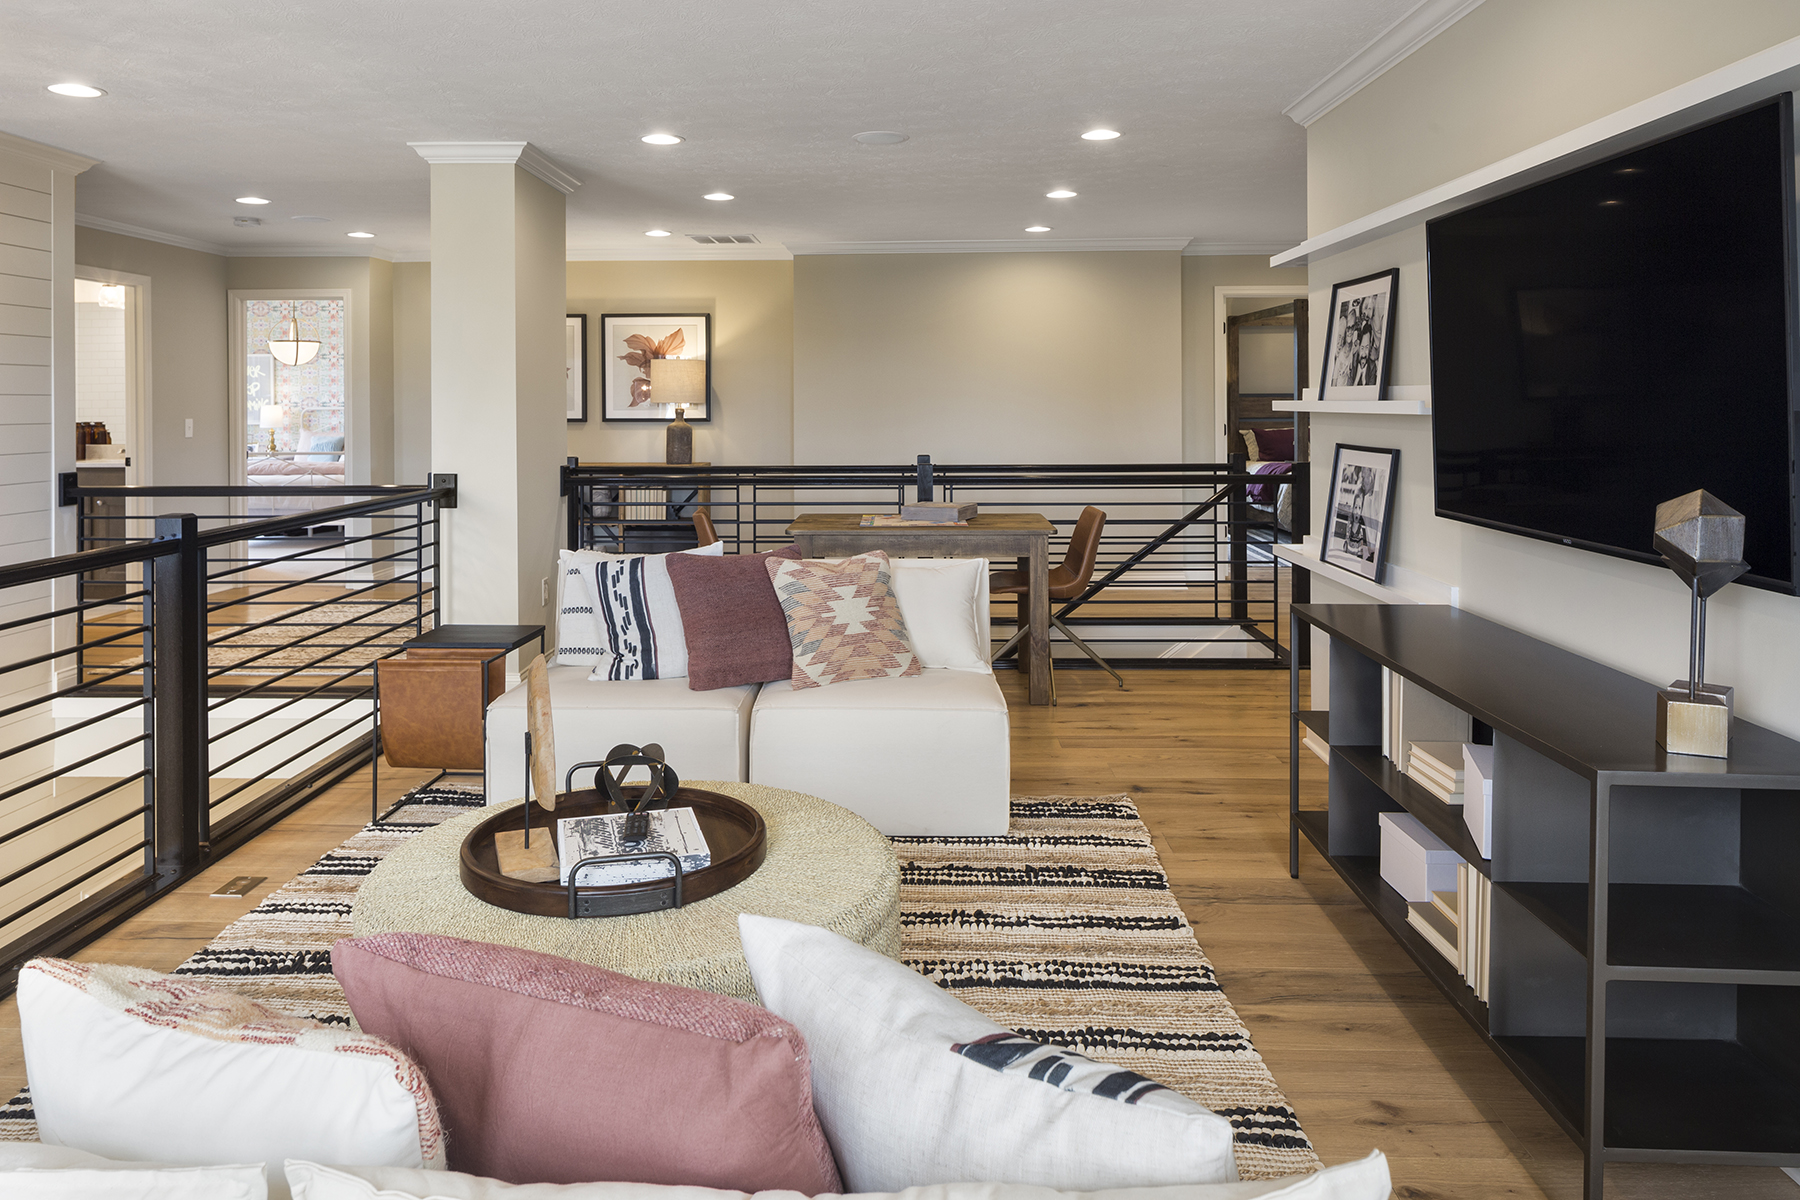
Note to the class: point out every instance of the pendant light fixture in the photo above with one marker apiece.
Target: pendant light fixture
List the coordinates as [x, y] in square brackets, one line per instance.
[293, 350]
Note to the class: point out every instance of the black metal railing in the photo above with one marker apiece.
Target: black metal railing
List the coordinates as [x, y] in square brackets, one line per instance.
[1185, 575]
[183, 681]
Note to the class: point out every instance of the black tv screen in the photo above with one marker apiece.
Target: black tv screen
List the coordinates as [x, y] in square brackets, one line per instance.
[1623, 335]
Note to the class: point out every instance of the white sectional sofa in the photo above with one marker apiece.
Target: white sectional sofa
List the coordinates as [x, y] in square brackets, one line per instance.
[927, 755]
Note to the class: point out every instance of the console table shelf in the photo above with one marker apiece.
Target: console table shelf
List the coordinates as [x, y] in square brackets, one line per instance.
[1649, 897]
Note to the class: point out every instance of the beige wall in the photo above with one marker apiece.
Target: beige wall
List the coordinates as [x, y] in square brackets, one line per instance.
[752, 403]
[1511, 74]
[187, 351]
[412, 372]
[371, 377]
[1202, 411]
[987, 357]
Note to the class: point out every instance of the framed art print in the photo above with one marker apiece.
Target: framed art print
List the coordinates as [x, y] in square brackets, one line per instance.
[575, 368]
[1359, 338]
[1359, 509]
[629, 343]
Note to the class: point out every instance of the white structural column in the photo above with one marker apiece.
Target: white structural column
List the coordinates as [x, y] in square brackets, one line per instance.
[498, 295]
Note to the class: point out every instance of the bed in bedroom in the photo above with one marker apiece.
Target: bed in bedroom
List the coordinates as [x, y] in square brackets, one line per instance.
[313, 466]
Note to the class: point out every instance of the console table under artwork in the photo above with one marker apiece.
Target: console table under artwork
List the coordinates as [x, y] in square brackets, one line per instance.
[1022, 536]
[1641, 941]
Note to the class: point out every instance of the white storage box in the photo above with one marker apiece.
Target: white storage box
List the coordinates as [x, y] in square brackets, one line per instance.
[1478, 796]
[1414, 861]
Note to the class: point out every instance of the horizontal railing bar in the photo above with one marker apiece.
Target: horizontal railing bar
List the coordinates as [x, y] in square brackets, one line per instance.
[58, 774]
[79, 687]
[141, 702]
[77, 648]
[311, 579]
[253, 563]
[73, 883]
[37, 822]
[284, 762]
[247, 492]
[245, 627]
[342, 512]
[335, 651]
[286, 733]
[39, 570]
[82, 606]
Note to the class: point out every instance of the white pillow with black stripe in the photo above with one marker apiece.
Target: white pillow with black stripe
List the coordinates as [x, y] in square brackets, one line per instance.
[618, 616]
[915, 1087]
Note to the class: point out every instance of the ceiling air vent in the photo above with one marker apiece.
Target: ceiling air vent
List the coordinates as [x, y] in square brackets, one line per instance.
[724, 239]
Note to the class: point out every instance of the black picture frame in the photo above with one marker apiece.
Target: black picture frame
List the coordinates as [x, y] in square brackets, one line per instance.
[1361, 482]
[1359, 337]
[575, 372]
[616, 375]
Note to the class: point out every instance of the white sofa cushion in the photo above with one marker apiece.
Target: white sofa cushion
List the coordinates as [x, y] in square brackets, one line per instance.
[1366, 1179]
[36, 1171]
[580, 628]
[945, 604]
[135, 1065]
[914, 1087]
[705, 734]
[927, 755]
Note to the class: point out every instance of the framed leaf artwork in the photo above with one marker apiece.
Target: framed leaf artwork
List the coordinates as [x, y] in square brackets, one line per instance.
[629, 343]
[575, 366]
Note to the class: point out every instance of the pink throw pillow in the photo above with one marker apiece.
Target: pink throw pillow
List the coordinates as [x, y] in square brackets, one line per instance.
[552, 1071]
[735, 631]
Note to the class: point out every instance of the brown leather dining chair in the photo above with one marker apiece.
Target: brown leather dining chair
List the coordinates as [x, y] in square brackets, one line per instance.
[1066, 582]
[703, 527]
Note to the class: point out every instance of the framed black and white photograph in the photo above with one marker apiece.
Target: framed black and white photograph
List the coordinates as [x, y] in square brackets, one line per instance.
[1359, 509]
[575, 369]
[1359, 338]
[630, 345]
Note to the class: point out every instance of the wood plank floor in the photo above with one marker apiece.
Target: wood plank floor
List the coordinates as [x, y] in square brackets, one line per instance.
[1367, 1050]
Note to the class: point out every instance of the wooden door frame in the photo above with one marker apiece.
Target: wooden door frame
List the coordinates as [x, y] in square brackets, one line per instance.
[1221, 293]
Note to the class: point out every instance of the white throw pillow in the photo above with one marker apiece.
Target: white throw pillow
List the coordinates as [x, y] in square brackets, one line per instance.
[914, 1087]
[1363, 1180]
[35, 1171]
[945, 604]
[581, 638]
[130, 1064]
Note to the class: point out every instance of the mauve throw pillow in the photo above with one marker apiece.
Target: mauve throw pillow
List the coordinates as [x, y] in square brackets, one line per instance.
[1277, 444]
[736, 633]
[552, 1071]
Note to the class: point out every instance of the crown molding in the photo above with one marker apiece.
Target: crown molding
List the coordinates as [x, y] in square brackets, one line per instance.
[1199, 249]
[994, 246]
[1368, 64]
[148, 235]
[50, 156]
[692, 252]
[520, 154]
[309, 252]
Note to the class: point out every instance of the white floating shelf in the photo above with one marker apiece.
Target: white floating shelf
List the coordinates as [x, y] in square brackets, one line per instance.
[1415, 588]
[1743, 83]
[1404, 400]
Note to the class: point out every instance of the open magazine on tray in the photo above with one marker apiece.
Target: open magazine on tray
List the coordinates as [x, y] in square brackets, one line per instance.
[672, 830]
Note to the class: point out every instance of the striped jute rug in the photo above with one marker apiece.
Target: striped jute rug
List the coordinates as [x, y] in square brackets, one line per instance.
[1065, 930]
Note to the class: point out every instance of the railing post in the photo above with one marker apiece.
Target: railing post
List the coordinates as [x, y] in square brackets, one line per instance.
[1300, 585]
[1238, 527]
[179, 686]
[925, 479]
[572, 508]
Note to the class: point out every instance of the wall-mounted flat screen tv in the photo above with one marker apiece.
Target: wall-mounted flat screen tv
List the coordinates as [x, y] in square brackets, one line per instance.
[1623, 335]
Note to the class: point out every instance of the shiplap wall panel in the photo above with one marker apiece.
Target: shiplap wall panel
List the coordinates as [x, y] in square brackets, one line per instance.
[24, 202]
[27, 381]
[20, 350]
[24, 527]
[24, 231]
[29, 439]
[22, 289]
[23, 260]
[22, 172]
[32, 320]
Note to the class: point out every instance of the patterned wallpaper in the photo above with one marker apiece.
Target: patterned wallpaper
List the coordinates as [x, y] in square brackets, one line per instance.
[311, 395]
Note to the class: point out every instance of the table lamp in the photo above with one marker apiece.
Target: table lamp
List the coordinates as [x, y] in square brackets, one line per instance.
[1702, 539]
[681, 382]
[271, 421]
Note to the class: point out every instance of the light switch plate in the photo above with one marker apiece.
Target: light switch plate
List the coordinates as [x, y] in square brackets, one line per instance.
[243, 885]
[190, 427]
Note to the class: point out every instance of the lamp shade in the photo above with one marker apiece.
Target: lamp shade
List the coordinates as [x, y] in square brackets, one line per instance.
[678, 381]
[293, 350]
[271, 416]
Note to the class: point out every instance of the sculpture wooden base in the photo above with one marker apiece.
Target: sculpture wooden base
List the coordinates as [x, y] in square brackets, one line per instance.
[532, 864]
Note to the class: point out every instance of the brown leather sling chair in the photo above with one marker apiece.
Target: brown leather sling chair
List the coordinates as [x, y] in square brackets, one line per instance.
[1066, 582]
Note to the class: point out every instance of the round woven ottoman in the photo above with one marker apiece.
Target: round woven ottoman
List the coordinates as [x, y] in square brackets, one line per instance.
[826, 866]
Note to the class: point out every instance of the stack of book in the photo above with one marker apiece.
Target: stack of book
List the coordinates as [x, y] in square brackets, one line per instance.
[1411, 714]
[1456, 926]
[1438, 768]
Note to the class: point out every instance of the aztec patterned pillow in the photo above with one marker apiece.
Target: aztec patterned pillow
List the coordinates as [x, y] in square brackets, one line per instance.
[134, 1065]
[842, 619]
[641, 615]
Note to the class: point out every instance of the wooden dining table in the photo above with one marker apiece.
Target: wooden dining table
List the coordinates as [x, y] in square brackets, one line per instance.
[1024, 537]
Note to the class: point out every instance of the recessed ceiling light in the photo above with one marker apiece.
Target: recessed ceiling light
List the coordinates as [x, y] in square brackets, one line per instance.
[251, 200]
[1037, 229]
[661, 139]
[359, 233]
[1100, 135]
[79, 90]
[1060, 194]
[309, 218]
[656, 233]
[720, 196]
[1610, 203]
[880, 137]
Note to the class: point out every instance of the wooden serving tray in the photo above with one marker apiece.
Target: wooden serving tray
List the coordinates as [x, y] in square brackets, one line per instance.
[734, 833]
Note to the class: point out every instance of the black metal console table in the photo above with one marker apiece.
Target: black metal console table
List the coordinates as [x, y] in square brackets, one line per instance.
[1644, 936]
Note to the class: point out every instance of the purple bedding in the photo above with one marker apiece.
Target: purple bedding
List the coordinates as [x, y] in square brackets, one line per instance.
[1264, 493]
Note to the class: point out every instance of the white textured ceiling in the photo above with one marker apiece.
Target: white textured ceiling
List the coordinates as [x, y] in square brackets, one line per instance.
[312, 104]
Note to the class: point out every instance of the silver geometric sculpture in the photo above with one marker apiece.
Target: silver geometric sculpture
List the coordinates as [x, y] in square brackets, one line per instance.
[1702, 539]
